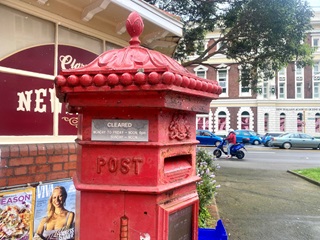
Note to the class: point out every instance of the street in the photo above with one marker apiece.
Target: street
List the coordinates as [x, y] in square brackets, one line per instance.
[259, 200]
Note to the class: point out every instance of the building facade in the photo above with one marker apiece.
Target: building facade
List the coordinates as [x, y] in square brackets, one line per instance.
[288, 103]
[39, 38]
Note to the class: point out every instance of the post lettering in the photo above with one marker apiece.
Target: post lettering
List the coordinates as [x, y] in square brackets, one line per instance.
[123, 165]
[113, 164]
[100, 163]
[137, 162]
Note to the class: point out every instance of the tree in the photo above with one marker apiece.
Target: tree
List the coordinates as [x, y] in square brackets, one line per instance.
[260, 35]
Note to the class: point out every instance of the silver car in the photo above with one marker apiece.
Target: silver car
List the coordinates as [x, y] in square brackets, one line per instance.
[295, 140]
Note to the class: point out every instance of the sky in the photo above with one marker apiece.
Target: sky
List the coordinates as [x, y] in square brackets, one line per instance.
[314, 2]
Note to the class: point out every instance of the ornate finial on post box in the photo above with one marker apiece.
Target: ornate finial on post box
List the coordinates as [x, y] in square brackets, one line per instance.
[134, 27]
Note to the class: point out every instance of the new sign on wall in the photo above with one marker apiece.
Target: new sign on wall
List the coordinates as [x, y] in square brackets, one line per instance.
[27, 100]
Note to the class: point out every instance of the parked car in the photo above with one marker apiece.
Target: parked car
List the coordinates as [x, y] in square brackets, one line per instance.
[206, 137]
[295, 140]
[265, 140]
[245, 136]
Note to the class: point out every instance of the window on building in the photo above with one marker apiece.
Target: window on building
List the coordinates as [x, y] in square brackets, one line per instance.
[245, 120]
[223, 80]
[317, 122]
[316, 42]
[265, 89]
[203, 122]
[282, 82]
[244, 85]
[266, 122]
[222, 120]
[74, 38]
[316, 80]
[283, 122]
[201, 71]
[300, 122]
[299, 82]
[22, 31]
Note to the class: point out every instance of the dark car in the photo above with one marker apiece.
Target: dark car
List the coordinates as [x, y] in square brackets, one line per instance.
[265, 140]
[295, 140]
[206, 137]
[245, 136]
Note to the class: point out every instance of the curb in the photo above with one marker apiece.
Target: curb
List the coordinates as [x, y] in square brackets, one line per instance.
[305, 178]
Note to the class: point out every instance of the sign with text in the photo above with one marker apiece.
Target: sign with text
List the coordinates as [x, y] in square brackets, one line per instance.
[120, 130]
[28, 102]
[16, 214]
[46, 206]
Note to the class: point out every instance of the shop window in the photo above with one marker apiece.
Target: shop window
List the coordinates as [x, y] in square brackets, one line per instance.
[22, 31]
[282, 122]
[222, 120]
[74, 38]
[317, 122]
[245, 120]
[266, 122]
[300, 122]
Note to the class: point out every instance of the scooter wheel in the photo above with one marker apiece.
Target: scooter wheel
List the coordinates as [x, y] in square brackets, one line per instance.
[240, 154]
[217, 153]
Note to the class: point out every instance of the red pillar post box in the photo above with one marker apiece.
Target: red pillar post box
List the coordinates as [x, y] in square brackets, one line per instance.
[136, 175]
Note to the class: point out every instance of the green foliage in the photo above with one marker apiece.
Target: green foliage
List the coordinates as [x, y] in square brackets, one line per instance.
[205, 219]
[261, 35]
[207, 186]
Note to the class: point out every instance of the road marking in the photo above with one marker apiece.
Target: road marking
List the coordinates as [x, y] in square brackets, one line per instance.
[261, 152]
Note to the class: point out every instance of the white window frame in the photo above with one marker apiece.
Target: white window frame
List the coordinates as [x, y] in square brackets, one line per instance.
[223, 67]
[265, 89]
[241, 93]
[299, 82]
[315, 42]
[201, 68]
[316, 80]
[282, 83]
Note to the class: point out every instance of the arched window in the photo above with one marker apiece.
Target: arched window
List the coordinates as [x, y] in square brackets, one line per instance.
[222, 120]
[282, 122]
[245, 120]
[300, 122]
[266, 122]
[317, 122]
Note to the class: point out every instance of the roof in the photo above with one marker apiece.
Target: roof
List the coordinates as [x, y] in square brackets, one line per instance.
[106, 19]
[134, 68]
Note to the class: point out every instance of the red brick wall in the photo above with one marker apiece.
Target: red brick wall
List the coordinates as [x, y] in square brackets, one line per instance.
[32, 163]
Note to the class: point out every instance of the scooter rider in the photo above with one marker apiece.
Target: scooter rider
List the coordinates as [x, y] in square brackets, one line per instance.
[231, 138]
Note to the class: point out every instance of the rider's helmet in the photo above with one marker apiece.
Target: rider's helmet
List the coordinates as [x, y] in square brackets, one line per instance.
[231, 130]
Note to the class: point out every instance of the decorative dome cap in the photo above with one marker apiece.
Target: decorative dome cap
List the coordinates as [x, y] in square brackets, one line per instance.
[133, 68]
